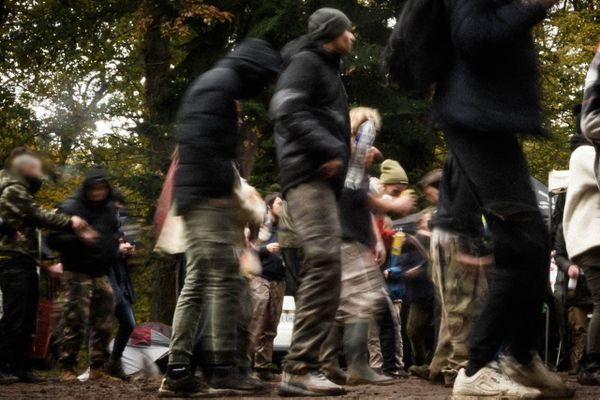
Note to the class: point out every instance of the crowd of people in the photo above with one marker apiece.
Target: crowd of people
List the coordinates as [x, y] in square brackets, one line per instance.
[457, 295]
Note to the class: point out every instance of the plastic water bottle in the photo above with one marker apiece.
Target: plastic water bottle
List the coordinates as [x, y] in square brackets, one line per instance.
[365, 137]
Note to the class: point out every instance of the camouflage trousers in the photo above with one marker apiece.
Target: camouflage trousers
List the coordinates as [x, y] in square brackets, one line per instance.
[89, 303]
[267, 303]
[461, 291]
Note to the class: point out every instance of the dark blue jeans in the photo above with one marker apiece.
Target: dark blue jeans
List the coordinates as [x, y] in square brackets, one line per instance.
[126, 319]
[497, 172]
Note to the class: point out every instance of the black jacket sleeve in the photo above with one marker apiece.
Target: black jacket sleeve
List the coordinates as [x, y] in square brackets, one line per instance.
[478, 25]
[561, 257]
[291, 107]
[63, 240]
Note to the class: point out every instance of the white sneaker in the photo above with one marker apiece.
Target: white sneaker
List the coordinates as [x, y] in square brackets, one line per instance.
[490, 383]
[309, 384]
[536, 375]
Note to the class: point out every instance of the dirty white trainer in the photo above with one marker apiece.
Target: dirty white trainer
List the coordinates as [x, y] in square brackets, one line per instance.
[536, 375]
[490, 383]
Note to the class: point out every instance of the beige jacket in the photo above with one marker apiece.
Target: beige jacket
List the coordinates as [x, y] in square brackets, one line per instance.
[581, 219]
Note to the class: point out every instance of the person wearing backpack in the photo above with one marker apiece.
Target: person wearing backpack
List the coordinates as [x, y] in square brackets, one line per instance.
[486, 93]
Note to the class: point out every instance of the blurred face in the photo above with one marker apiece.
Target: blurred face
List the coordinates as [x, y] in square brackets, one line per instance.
[432, 194]
[395, 189]
[33, 169]
[276, 207]
[342, 44]
[98, 192]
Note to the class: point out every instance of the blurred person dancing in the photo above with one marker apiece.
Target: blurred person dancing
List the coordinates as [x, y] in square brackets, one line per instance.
[481, 130]
[208, 137]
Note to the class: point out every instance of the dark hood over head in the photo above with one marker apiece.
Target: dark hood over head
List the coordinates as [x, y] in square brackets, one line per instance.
[256, 62]
[96, 174]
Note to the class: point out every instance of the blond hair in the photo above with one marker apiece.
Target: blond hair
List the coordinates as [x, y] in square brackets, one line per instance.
[360, 115]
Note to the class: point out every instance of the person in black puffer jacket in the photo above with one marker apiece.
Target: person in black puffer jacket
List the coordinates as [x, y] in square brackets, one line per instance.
[208, 139]
[86, 268]
[207, 125]
[312, 140]
[488, 96]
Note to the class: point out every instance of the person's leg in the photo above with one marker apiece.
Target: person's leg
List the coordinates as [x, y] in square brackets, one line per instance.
[592, 274]
[101, 317]
[495, 167]
[578, 325]
[375, 356]
[211, 285]
[259, 287]
[126, 320]
[313, 208]
[439, 362]
[79, 289]
[18, 282]
[275, 307]
[291, 259]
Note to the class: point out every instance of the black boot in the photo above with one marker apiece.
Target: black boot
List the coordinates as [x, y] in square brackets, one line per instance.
[27, 376]
[330, 354]
[356, 335]
[114, 368]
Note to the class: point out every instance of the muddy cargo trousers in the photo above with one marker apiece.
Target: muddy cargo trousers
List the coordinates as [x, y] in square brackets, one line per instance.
[211, 288]
[313, 209]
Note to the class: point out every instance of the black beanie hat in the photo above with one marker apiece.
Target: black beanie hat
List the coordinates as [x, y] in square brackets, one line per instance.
[326, 24]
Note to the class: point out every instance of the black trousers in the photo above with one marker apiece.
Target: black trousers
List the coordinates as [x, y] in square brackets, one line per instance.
[497, 172]
[19, 283]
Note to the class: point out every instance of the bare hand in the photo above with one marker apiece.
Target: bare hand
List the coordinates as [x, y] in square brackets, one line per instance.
[404, 205]
[386, 274]
[126, 249]
[55, 269]
[573, 272]
[332, 168]
[273, 248]
[88, 235]
[373, 154]
[78, 223]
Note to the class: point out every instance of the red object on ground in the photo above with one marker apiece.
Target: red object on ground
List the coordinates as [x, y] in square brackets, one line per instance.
[41, 343]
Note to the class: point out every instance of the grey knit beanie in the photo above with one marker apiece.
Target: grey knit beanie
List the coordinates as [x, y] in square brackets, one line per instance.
[326, 24]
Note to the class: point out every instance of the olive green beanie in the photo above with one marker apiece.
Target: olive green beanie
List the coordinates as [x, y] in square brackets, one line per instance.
[392, 173]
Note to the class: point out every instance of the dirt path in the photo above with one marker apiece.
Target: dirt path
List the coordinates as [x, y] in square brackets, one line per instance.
[412, 388]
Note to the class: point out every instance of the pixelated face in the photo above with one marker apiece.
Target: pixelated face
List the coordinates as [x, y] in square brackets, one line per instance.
[98, 192]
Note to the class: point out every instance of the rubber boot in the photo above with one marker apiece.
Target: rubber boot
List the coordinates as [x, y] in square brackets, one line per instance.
[356, 335]
[330, 355]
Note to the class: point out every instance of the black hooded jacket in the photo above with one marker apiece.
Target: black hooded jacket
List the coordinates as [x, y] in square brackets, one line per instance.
[92, 259]
[492, 80]
[310, 109]
[207, 127]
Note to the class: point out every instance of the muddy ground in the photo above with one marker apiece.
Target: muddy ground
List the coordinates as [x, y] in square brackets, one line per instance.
[412, 388]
